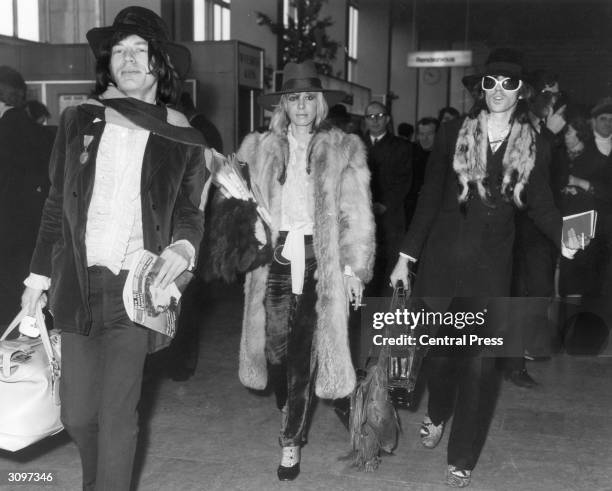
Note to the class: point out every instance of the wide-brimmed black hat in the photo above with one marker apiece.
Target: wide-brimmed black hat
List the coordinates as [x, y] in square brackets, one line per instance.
[149, 26]
[507, 62]
[300, 77]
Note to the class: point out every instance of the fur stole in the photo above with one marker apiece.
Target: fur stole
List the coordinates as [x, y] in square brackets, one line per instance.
[470, 159]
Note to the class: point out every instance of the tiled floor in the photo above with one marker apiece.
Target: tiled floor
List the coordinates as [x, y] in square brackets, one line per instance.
[209, 433]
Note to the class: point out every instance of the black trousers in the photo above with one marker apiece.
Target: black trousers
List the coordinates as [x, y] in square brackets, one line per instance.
[465, 383]
[534, 271]
[100, 386]
[469, 385]
[290, 324]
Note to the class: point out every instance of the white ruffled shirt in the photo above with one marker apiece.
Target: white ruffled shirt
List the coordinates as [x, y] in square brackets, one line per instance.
[297, 209]
[114, 219]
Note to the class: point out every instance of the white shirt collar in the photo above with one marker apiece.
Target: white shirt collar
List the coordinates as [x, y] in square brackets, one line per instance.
[375, 139]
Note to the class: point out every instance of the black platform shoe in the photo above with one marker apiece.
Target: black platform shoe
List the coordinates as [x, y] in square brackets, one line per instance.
[288, 473]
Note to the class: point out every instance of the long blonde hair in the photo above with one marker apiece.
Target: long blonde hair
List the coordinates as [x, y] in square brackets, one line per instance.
[279, 122]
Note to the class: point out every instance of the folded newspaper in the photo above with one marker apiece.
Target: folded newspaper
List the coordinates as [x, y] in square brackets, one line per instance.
[150, 306]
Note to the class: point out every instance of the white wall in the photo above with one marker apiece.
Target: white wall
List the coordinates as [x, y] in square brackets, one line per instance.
[336, 9]
[112, 7]
[245, 28]
[372, 51]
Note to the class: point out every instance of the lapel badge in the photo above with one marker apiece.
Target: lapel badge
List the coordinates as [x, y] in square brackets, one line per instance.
[84, 157]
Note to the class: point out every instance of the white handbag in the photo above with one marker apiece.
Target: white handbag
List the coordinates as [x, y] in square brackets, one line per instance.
[29, 386]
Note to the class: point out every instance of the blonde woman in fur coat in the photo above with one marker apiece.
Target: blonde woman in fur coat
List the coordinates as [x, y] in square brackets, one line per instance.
[482, 169]
[315, 184]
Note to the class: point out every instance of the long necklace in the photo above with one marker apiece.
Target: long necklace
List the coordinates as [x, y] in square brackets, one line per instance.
[496, 138]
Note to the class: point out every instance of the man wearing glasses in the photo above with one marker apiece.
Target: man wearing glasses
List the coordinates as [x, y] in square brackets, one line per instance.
[390, 163]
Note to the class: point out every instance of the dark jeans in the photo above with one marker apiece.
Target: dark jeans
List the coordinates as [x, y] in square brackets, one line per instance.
[290, 324]
[101, 383]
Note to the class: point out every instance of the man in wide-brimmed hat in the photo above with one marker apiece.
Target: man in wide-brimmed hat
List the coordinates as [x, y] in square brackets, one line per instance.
[127, 175]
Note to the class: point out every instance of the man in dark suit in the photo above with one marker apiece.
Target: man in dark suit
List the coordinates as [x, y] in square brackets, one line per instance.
[425, 134]
[535, 254]
[390, 162]
[24, 158]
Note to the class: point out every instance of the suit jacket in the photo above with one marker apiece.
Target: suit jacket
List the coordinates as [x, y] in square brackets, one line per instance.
[172, 180]
[466, 250]
[390, 163]
[25, 147]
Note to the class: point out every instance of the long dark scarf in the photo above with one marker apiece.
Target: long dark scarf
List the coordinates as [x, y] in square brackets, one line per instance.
[130, 112]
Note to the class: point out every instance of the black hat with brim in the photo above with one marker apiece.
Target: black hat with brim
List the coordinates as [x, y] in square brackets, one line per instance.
[149, 26]
[507, 62]
[300, 77]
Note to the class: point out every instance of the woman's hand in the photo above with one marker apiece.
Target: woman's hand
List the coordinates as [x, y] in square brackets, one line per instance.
[354, 290]
[29, 299]
[400, 272]
[176, 258]
[260, 233]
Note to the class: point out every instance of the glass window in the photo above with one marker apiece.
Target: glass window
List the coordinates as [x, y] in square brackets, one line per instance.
[211, 20]
[199, 20]
[289, 10]
[6, 17]
[27, 20]
[353, 28]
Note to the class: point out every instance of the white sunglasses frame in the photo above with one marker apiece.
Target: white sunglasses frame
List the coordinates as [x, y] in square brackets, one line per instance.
[499, 83]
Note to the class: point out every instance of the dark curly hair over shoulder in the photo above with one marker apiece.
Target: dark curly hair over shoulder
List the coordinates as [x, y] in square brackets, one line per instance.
[168, 87]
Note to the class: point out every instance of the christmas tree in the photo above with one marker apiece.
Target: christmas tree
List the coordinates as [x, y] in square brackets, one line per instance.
[304, 36]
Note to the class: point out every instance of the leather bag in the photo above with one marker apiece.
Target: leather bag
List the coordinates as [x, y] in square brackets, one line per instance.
[29, 386]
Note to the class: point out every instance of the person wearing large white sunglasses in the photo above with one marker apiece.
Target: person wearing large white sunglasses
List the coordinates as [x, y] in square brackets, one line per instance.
[482, 170]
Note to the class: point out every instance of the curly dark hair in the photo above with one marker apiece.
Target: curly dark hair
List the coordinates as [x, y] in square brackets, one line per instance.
[582, 126]
[168, 86]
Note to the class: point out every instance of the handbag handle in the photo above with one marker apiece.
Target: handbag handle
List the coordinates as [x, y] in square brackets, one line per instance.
[44, 335]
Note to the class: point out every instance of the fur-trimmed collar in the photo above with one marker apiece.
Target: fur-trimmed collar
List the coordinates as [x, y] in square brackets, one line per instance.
[470, 159]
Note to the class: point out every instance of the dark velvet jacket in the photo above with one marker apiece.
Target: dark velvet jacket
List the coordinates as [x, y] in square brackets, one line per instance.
[466, 250]
[172, 180]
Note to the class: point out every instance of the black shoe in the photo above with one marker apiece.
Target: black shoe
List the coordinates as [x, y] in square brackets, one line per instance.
[521, 378]
[288, 473]
[400, 397]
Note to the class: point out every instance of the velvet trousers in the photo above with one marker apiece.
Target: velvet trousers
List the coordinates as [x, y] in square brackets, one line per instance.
[290, 324]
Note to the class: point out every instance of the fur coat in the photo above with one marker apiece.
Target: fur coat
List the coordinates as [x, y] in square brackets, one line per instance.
[343, 235]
